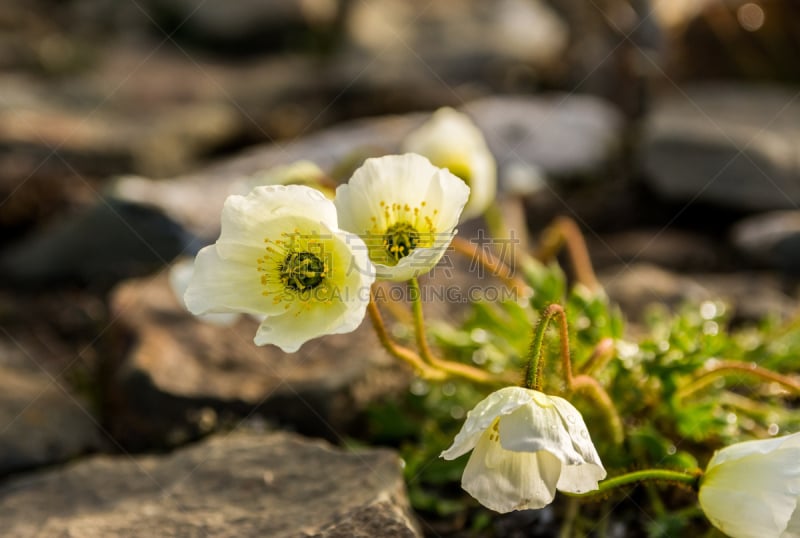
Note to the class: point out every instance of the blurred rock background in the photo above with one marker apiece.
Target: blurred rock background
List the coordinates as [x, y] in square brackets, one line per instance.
[667, 129]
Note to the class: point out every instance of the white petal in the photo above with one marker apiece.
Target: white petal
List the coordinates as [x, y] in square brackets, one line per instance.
[220, 285]
[793, 527]
[534, 427]
[504, 481]
[454, 194]
[747, 448]
[292, 329]
[180, 274]
[578, 432]
[580, 478]
[498, 403]
[419, 262]
[755, 494]
[248, 220]
[449, 137]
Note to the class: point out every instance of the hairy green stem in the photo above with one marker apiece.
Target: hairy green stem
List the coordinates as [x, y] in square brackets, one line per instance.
[533, 374]
[691, 479]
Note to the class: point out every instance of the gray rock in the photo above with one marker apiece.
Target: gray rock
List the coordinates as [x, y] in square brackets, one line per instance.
[637, 286]
[176, 377]
[42, 422]
[771, 239]
[727, 144]
[752, 295]
[241, 484]
[563, 135]
[671, 249]
[108, 241]
[141, 127]
[557, 135]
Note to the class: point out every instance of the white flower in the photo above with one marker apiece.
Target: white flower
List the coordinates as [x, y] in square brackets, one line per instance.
[752, 489]
[451, 140]
[526, 445]
[280, 254]
[405, 209]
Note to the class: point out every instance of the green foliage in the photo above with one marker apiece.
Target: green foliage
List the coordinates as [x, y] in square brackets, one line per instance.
[646, 376]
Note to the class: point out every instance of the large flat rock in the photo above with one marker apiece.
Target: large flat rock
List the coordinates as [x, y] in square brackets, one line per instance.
[173, 377]
[236, 485]
[42, 422]
[726, 144]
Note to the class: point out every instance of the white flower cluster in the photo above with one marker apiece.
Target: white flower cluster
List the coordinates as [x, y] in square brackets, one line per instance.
[304, 264]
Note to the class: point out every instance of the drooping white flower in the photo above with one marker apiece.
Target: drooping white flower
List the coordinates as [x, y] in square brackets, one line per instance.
[451, 140]
[405, 209]
[752, 489]
[280, 254]
[525, 445]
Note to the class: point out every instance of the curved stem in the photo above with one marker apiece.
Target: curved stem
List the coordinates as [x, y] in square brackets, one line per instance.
[533, 374]
[593, 389]
[415, 293]
[603, 352]
[490, 262]
[691, 479]
[397, 351]
[450, 367]
[564, 232]
[723, 368]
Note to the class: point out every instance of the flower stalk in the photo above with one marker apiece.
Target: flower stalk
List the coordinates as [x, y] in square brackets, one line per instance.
[563, 232]
[730, 367]
[490, 262]
[449, 367]
[534, 378]
[691, 479]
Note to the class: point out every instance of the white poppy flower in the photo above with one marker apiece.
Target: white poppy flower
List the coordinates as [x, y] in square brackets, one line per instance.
[752, 489]
[526, 445]
[405, 209]
[451, 140]
[280, 254]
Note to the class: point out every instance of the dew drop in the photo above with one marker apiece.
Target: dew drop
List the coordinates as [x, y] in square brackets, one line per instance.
[672, 450]
[448, 389]
[419, 387]
[457, 412]
[479, 336]
[708, 310]
[773, 429]
[479, 357]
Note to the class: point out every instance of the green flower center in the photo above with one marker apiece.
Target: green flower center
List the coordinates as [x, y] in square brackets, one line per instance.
[302, 271]
[400, 239]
